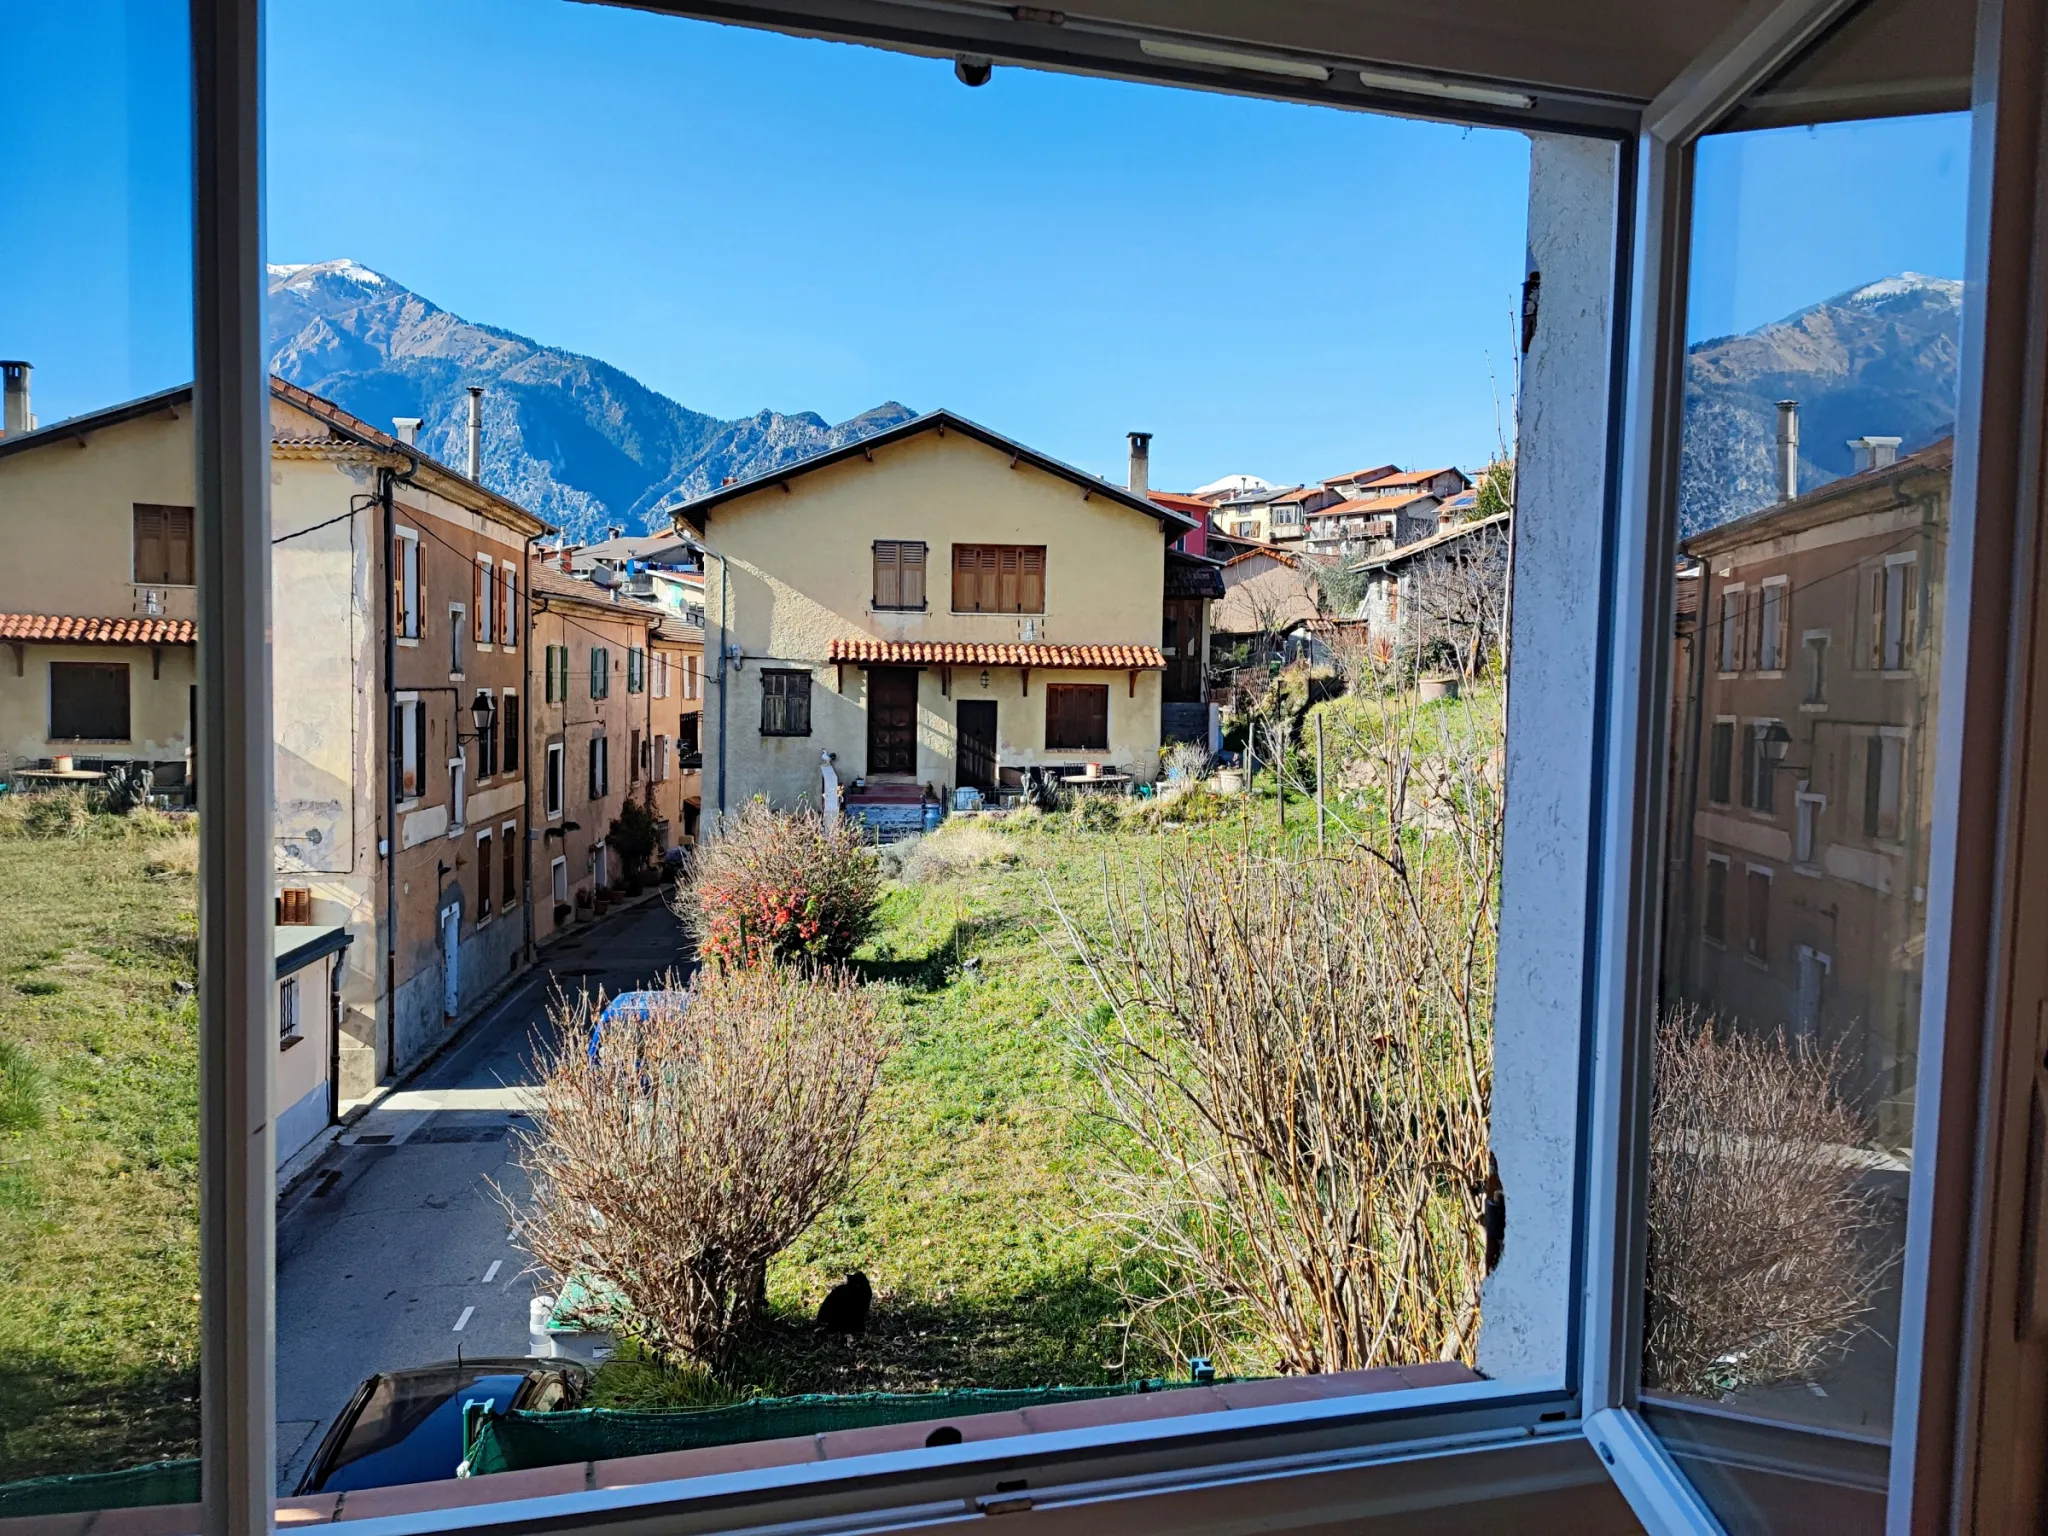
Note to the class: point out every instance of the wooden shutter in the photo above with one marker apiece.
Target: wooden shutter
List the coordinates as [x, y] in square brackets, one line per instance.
[910, 558]
[1876, 618]
[149, 545]
[483, 873]
[508, 718]
[1909, 610]
[480, 609]
[178, 564]
[1008, 557]
[966, 562]
[511, 889]
[508, 611]
[1031, 579]
[888, 574]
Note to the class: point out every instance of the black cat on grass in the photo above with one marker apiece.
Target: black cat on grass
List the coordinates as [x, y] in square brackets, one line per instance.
[845, 1307]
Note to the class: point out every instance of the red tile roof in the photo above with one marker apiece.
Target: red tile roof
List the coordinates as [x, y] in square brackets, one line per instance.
[69, 629]
[957, 653]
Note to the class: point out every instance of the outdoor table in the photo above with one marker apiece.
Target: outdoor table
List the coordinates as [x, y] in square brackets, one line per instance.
[56, 776]
[1095, 780]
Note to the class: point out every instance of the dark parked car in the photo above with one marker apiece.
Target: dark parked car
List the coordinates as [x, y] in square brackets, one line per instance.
[406, 1426]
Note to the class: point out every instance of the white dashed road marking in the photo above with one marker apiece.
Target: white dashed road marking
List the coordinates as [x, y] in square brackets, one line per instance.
[463, 1321]
[492, 1273]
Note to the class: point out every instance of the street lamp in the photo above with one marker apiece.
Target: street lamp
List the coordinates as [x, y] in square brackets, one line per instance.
[483, 713]
[1774, 741]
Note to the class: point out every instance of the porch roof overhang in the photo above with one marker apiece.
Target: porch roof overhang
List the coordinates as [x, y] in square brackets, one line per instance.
[957, 653]
[74, 629]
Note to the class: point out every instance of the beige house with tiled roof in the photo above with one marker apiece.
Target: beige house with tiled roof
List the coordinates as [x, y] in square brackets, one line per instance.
[932, 607]
[97, 609]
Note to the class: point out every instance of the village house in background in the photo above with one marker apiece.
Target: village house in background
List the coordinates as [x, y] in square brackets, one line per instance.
[675, 703]
[593, 729]
[398, 597]
[1803, 712]
[1447, 585]
[935, 606]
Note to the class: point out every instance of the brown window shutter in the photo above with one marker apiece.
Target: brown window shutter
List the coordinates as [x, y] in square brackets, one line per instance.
[149, 544]
[963, 578]
[1031, 580]
[988, 590]
[1096, 703]
[480, 610]
[888, 574]
[178, 562]
[911, 560]
[1007, 595]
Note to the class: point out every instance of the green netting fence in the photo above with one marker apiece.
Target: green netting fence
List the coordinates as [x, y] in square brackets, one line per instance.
[513, 1441]
[159, 1482]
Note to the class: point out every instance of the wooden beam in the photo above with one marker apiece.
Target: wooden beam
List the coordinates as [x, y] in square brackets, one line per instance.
[945, 682]
[18, 649]
[1027, 681]
[1134, 682]
[842, 676]
[156, 663]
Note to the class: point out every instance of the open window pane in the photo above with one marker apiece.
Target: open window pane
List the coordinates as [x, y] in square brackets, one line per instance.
[1814, 513]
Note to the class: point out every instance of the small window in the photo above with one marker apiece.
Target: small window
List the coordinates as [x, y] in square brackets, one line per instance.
[558, 881]
[600, 672]
[688, 740]
[486, 598]
[1077, 717]
[636, 669]
[405, 582]
[288, 1011]
[508, 732]
[88, 701]
[1759, 773]
[508, 606]
[457, 618]
[409, 746]
[659, 757]
[1772, 625]
[785, 703]
[458, 791]
[899, 574]
[1731, 629]
[485, 886]
[163, 545]
[1757, 915]
[1816, 669]
[558, 674]
[600, 766]
[1883, 763]
[551, 793]
[1715, 927]
[1895, 613]
[999, 578]
[508, 881]
[1721, 761]
[657, 674]
[633, 758]
[1806, 833]
[486, 743]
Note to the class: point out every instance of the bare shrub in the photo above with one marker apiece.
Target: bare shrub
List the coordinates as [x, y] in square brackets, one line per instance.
[1294, 1058]
[1185, 761]
[770, 885]
[952, 851]
[1761, 1260]
[670, 1165]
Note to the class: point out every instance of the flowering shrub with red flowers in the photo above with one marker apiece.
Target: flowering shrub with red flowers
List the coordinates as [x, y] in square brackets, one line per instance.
[780, 886]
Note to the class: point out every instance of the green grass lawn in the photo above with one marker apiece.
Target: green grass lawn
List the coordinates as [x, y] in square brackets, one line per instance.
[99, 1199]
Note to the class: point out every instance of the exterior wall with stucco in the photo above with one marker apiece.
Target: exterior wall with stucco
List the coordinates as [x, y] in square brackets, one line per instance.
[793, 570]
[159, 702]
[581, 621]
[67, 512]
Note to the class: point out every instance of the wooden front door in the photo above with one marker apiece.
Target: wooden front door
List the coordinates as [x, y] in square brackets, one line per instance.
[1183, 646]
[975, 761]
[892, 720]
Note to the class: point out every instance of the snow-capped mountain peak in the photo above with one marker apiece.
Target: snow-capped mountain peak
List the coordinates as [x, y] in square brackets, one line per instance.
[1903, 285]
[303, 274]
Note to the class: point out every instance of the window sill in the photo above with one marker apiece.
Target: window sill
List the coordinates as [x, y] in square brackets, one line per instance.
[881, 608]
[410, 642]
[1755, 963]
[996, 613]
[1813, 709]
[1811, 871]
[1770, 674]
[286, 1042]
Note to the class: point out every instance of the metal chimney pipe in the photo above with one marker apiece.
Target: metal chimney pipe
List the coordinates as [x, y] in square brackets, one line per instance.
[17, 417]
[1788, 449]
[476, 432]
[1141, 463]
[408, 430]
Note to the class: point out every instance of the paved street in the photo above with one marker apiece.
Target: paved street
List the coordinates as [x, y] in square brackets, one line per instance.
[396, 1251]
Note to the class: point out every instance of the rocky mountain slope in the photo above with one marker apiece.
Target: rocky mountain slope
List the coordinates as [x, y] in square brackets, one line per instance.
[575, 440]
[1879, 360]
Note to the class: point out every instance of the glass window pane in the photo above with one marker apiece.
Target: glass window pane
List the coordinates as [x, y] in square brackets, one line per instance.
[1821, 369]
[99, 1262]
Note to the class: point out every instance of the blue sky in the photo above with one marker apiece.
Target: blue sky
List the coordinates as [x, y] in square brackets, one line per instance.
[745, 220]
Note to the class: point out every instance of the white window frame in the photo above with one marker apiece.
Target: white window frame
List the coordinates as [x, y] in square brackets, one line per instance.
[1896, 647]
[458, 639]
[508, 835]
[1814, 699]
[554, 782]
[486, 890]
[410, 748]
[289, 1019]
[458, 794]
[558, 878]
[1807, 810]
[1381, 1441]
[518, 736]
[1730, 637]
[508, 605]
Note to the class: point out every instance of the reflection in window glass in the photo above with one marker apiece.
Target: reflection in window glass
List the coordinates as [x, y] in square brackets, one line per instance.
[99, 1262]
[1818, 444]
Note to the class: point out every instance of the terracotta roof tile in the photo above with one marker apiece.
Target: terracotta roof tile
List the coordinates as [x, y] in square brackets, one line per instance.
[70, 629]
[957, 653]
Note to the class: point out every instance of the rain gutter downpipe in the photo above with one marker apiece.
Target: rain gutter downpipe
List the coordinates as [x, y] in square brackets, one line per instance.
[525, 741]
[724, 651]
[392, 767]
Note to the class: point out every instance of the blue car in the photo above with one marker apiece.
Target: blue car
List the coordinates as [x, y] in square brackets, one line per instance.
[633, 1005]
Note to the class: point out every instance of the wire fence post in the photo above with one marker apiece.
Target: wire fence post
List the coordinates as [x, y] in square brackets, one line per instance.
[1319, 781]
[1279, 772]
